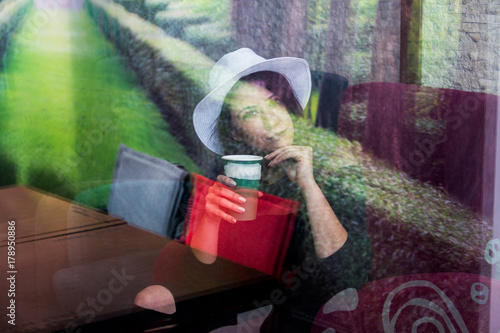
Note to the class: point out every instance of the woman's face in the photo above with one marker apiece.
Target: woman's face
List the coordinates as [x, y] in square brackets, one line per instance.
[260, 118]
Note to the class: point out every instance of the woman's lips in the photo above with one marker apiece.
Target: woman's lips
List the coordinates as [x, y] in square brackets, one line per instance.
[280, 133]
[277, 140]
[277, 135]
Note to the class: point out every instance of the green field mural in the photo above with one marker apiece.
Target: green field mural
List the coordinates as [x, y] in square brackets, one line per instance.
[67, 101]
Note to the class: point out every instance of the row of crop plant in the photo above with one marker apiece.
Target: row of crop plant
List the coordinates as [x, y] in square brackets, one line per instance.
[203, 24]
[11, 14]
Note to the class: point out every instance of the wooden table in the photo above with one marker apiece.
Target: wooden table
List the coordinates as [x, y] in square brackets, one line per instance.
[41, 215]
[88, 274]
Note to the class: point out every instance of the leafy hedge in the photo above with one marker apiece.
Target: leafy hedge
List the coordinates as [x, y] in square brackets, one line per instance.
[170, 70]
[157, 5]
[202, 23]
[175, 21]
[147, 9]
[211, 39]
[11, 14]
[414, 227]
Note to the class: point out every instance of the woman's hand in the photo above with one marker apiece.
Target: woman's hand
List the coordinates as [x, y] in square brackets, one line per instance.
[328, 234]
[221, 198]
[301, 171]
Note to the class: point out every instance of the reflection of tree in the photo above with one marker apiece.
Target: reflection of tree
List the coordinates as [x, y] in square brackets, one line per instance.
[411, 30]
[271, 28]
[256, 25]
[295, 27]
[386, 42]
[339, 42]
[333, 36]
[317, 30]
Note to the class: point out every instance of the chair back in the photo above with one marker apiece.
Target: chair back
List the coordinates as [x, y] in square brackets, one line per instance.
[146, 191]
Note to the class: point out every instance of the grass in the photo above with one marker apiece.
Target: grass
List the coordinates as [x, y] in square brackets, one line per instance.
[68, 100]
[311, 109]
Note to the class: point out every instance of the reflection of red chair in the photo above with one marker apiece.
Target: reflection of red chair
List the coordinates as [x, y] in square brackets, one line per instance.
[260, 244]
[443, 136]
[442, 302]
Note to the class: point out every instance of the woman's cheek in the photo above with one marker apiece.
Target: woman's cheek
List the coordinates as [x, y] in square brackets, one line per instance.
[253, 139]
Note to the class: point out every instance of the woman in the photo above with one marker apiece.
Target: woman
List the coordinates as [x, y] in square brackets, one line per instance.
[248, 112]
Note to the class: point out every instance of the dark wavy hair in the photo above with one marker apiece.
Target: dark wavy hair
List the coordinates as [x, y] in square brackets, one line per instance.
[272, 81]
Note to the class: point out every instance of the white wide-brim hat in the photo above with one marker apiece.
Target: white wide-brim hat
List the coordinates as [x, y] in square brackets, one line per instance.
[227, 71]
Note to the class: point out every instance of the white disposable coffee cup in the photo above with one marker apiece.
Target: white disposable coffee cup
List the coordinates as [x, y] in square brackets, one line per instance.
[246, 171]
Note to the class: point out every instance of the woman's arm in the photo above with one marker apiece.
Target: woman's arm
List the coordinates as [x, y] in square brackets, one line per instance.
[328, 233]
[205, 240]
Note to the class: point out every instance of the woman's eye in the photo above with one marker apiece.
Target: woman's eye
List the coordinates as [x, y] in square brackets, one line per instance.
[249, 114]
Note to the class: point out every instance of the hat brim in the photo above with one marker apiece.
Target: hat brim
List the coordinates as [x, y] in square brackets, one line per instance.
[207, 112]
